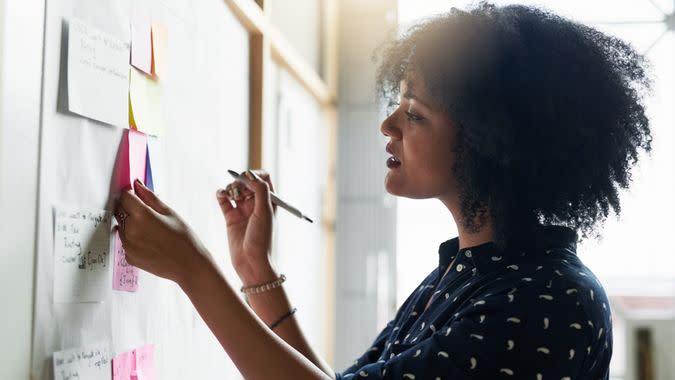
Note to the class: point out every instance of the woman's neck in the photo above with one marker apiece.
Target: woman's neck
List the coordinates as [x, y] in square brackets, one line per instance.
[469, 238]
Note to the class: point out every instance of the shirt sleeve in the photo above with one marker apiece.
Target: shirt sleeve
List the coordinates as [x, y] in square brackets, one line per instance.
[519, 333]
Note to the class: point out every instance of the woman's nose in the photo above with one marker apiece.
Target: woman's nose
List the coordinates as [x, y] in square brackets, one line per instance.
[388, 128]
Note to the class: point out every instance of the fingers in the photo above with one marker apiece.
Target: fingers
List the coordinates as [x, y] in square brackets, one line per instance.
[132, 204]
[224, 201]
[263, 203]
[149, 198]
[264, 175]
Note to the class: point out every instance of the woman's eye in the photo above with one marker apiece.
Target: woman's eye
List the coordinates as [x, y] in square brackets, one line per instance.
[391, 107]
[413, 117]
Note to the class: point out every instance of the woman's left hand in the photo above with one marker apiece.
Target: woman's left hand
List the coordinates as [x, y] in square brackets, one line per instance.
[155, 238]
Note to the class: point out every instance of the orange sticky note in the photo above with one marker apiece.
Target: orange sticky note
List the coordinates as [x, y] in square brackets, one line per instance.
[159, 47]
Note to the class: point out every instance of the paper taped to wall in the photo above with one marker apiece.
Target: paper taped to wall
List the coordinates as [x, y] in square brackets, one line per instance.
[98, 74]
[81, 247]
[90, 362]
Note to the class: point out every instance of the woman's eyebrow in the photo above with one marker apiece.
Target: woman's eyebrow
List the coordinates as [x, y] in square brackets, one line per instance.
[409, 95]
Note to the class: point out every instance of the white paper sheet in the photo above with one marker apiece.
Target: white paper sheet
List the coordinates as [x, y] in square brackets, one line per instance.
[98, 74]
[81, 254]
[91, 362]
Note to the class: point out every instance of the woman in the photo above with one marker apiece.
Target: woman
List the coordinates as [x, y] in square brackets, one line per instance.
[522, 124]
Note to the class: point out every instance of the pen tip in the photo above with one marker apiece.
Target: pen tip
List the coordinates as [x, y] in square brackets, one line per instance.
[232, 172]
[310, 220]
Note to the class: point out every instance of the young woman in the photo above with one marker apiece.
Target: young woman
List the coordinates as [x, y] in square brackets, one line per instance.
[523, 125]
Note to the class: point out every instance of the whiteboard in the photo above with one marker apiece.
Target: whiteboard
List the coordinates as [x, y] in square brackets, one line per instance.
[205, 101]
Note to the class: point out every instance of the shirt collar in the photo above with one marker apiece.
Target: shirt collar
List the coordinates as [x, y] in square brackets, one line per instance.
[484, 256]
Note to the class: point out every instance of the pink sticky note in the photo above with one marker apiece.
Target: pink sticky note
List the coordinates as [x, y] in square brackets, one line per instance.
[132, 156]
[138, 149]
[145, 362]
[141, 41]
[125, 275]
[124, 366]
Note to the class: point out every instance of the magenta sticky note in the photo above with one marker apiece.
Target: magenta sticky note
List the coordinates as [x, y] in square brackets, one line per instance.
[131, 159]
[141, 40]
[138, 150]
[125, 275]
[124, 366]
[145, 362]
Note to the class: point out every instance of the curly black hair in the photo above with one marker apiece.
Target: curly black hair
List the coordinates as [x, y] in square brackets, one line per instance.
[549, 113]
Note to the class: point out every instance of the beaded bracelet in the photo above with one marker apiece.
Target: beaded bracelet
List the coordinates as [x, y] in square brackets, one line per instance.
[273, 325]
[264, 287]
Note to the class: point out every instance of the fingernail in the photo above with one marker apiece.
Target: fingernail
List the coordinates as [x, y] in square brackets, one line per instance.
[256, 176]
[138, 182]
[250, 175]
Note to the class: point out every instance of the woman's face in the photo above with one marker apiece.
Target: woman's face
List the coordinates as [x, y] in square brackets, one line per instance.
[421, 138]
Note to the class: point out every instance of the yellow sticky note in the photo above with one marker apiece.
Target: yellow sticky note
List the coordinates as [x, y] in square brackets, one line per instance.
[159, 46]
[145, 103]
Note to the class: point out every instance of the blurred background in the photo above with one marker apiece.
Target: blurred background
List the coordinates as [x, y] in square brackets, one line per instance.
[314, 125]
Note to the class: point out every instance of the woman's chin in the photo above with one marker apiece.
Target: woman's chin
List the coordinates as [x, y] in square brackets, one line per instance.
[391, 185]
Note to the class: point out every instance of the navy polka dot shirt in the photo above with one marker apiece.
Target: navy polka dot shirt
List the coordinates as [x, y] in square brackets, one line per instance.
[498, 314]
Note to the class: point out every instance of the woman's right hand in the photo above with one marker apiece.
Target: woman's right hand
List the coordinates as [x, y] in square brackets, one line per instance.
[249, 226]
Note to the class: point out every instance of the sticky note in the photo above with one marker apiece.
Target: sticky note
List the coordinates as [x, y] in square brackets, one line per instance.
[90, 362]
[159, 49]
[124, 366]
[137, 364]
[153, 172]
[141, 40]
[149, 182]
[137, 155]
[132, 159]
[98, 74]
[145, 362]
[125, 275]
[81, 243]
[145, 103]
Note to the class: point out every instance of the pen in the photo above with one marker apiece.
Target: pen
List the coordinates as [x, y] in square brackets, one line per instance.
[275, 199]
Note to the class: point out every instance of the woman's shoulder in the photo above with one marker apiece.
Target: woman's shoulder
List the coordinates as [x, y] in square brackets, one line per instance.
[556, 283]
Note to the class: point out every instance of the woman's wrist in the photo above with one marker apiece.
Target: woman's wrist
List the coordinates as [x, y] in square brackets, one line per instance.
[256, 273]
[199, 262]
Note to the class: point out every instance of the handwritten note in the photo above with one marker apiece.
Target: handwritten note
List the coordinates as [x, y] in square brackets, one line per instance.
[159, 49]
[145, 101]
[138, 364]
[141, 40]
[98, 74]
[81, 247]
[91, 362]
[124, 366]
[125, 275]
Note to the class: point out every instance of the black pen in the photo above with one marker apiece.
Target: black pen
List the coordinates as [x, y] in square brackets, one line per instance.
[275, 199]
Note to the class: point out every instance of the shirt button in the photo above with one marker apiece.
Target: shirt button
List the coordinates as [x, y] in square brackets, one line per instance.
[468, 253]
[460, 267]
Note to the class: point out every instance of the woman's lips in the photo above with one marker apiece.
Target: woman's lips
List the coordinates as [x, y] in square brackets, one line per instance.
[393, 162]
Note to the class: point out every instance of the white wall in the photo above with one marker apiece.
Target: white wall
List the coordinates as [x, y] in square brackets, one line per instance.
[20, 83]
